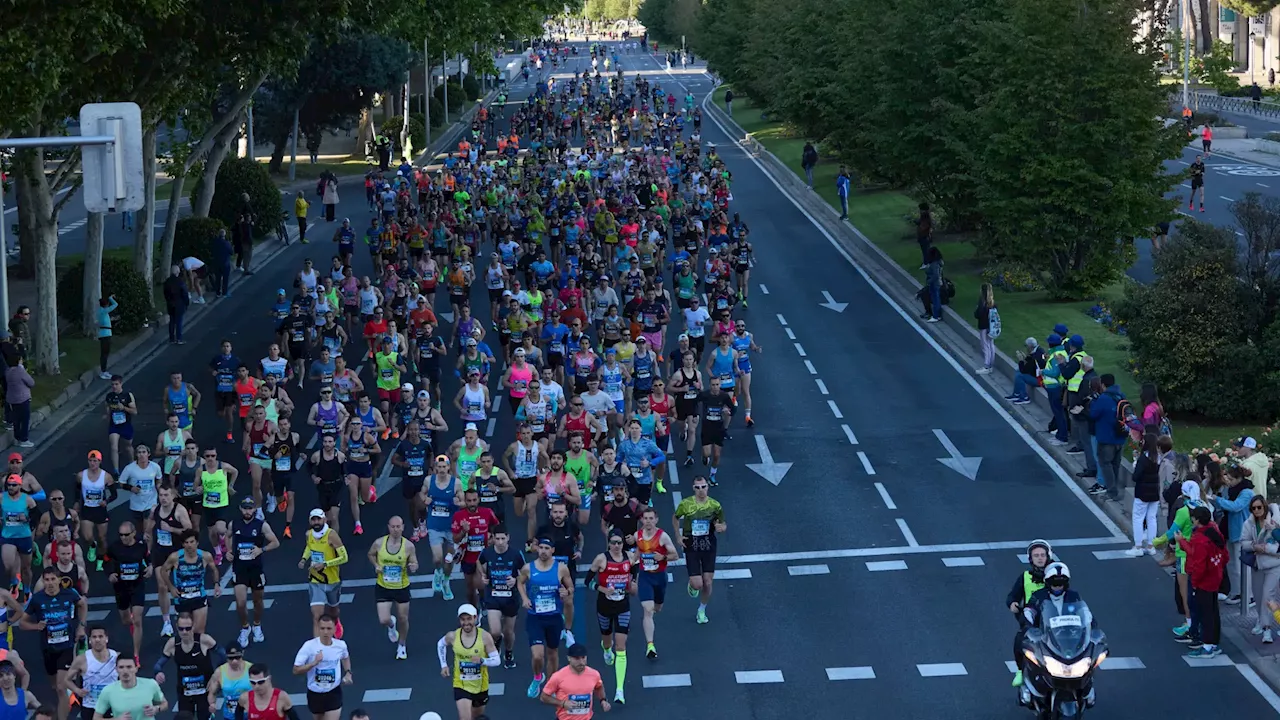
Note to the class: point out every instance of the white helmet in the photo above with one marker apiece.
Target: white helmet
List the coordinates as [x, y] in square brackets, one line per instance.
[1057, 574]
[1048, 549]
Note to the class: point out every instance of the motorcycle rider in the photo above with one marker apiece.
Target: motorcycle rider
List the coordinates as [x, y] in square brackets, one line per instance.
[1039, 553]
[1056, 590]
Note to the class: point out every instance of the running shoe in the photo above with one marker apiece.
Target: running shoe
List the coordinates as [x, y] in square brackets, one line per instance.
[652, 652]
[392, 634]
[702, 616]
[535, 686]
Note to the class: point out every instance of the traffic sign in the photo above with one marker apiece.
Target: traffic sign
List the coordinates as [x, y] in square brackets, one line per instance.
[113, 177]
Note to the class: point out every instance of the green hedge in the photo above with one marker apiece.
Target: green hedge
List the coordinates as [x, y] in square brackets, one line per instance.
[242, 175]
[471, 86]
[437, 113]
[417, 127]
[119, 278]
[193, 237]
[456, 96]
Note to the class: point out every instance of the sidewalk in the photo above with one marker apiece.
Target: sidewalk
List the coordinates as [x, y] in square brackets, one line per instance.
[1245, 150]
[961, 341]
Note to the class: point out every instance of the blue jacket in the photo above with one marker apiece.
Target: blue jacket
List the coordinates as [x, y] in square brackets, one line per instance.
[632, 452]
[1236, 510]
[1103, 413]
[842, 185]
[222, 252]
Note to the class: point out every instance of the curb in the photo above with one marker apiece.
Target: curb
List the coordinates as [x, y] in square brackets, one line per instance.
[151, 341]
[963, 342]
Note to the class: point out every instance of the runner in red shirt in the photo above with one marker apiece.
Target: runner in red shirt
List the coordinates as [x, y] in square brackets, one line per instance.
[375, 326]
[471, 527]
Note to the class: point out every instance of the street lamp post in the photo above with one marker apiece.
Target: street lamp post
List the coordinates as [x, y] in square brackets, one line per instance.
[1185, 9]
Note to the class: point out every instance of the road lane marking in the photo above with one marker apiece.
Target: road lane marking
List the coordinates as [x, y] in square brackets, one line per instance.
[493, 424]
[851, 673]
[1224, 197]
[660, 681]
[835, 410]
[791, 334]
[798, 570]
[734, 574]
[822, 387]
[98, 615]
[782, 320]
[1122, 663]
[387, 695]
[848, 432]
[758, 677]
[497, 403]
[676, 497]
[941, 670]
[1258, 684]
[764, 290]
[497, 689]
[800, 349]
[1263, 185]
[1111, 554]
[973, 561]
[266, 604]
[906, 532]
[886, 565]
[884, 495]
[673, 469]
[1199, 662]
[808, 364]
[866, 462]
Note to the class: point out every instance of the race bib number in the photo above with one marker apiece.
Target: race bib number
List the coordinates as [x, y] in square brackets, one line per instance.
[439, 511]
[15, 519]
[544, 605]
[475, 543]
[164, 537]
[117, 417]
[392, 574]
[317, 557]
[327, 677]
[284, 464]
[193, 686]
[57, 637]
[246, 551]
[579, 704]
[469, 671]
[649, 562]
[701, 528]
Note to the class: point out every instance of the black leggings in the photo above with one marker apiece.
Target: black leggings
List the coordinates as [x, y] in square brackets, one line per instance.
[1017, 646]
[104, 352]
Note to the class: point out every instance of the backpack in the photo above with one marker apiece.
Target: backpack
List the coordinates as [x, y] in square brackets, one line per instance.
[993, 323]
[1126, 419]
[948, 291]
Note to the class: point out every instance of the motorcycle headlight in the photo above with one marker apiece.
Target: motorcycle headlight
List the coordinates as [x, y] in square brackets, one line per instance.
[1101, 658]
[1030, 655]
[1062, 670]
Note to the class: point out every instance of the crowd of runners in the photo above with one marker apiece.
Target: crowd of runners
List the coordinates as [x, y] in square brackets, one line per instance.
[595, 218]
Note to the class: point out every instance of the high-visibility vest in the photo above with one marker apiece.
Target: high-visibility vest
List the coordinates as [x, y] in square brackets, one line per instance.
[1060, 355]
[1073, 384]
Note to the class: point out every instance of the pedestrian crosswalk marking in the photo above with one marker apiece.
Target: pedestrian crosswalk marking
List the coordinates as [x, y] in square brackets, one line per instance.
[667, 681]
[497, 689]
[266, 604]
[420, 593]
[387, 695]
[1122, 663]
[758, 677]
[97, 615]
[1110, 554]
[883, 565]
[733, 574]
[941, 669]
[299, 699]
[1199, 662]
[796, 570]
[346, 598]
[851, 673]
[963, 561]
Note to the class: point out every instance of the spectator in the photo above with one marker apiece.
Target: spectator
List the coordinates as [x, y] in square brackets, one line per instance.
[1146, 497]
[808, 161]
[193, 271]
[728, 102]
[20, 329]
[176, 301]
[984, 314]
[1257, 463]
[933, 281]
[1255, 93]
[106, 306]
[924, 233]
[842, 191]
[222, 251]
[1152, 410]
[1030, 363]
[300, 207]
[244, 235]
[1260, 552]
[1206, 558]
[18, 384]
[1111, 436]
[1083, 429]
[1235, 503]
[330, 199]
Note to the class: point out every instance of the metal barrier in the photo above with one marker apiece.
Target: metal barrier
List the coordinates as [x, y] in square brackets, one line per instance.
[1201, 101]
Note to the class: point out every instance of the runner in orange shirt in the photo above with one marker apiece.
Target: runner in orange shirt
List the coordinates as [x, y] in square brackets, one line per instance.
[573, 688]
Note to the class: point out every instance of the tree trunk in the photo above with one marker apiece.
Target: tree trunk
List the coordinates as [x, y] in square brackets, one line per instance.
[144, 247]
[92, 274]
[279, 145]
[171, 220]
[1206, 28]
[35, 212]
[213, 161]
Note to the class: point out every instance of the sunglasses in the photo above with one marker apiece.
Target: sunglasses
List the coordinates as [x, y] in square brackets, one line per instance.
[126, 534]
[185, 628]
[256, 683]
[210, 456]
[615, 542]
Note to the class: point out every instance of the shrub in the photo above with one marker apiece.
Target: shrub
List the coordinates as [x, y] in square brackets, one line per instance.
[119, 278]
[417, 127]
[193, 238]
[1011, 277]
[471, 86]
[1190, 333]
[456, 93]
[243, 175]
[437, 113]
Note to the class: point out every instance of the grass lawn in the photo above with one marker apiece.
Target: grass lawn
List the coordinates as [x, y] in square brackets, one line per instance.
[308, 170]
[79, 355]
[880, 215]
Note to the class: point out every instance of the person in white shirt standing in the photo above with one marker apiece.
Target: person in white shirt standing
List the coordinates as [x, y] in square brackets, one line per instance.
[327, 665]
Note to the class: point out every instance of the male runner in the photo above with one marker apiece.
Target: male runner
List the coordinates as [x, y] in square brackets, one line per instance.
[474, 653]
[191, 652]
[326, 662]
[394, 558]
[500, 565]
[170, 520]
[322, 557]
[57, 613]
[264, 701]
[93, 671]
[128, 567]
[654, 550]
[698, 520]
[251, 537]
[545, 591]
[610, 576]
[186, 569]
[470, 529]
[442, 496]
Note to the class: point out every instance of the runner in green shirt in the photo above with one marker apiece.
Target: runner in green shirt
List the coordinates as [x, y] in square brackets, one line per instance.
[131, 696]
[697, 521]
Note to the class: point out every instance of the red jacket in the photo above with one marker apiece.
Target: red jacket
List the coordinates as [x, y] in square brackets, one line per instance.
[1206, 557]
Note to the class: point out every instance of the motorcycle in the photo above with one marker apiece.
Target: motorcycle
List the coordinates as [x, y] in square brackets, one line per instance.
[1061, 652]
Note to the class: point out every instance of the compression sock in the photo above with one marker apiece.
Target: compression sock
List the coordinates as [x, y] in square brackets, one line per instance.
[620, 667]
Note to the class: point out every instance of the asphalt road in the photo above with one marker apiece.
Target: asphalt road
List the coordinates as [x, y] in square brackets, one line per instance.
[871, 559]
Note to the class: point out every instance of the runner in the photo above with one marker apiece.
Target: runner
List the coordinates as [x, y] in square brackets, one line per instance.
[58, 614]
[264, 702]
[326, 662]
[224, 368]
[121, 407]
[170, 520]
[283, 447]
[442, 496]
[545, 591]
[91, 672]
[524, 459]
[573, 689]
[130, 696]
[641, 456]
[94, 487]
[190, 652]
[470, 528]
[474, 653]
[610, 576]
[500, 566]
[18, 545]
[128, 569]
[181, 398]
[717, 408]
[330, 480]
[698, 521]
[251, 537]
[218, 483]
[322, 558]
[186, 570]
[256, 434]
[359, 444]
[229, 683]
[582, 465]
[493, 484]
[465, 453]
[654, 550]
[15, 701]
[744, 344]
[393, 558]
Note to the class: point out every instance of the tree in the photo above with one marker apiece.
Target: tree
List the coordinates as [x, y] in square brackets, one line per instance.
[1251, 8]
[334, 83]
[1073, 150]
[1259, 220]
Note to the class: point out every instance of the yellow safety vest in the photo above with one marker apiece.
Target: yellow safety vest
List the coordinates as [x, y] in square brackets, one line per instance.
[1029, 586]
[1054, 354]
[1073, 383]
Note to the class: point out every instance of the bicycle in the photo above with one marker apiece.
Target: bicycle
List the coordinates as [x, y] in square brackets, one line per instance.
[282, 227]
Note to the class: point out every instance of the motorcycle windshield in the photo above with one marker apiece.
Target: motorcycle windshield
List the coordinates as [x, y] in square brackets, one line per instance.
[1066, 628]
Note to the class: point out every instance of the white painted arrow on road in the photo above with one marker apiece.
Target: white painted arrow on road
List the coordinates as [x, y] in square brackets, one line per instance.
[767, 468]
[447, 316]
[831, 303]
[966, 466]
